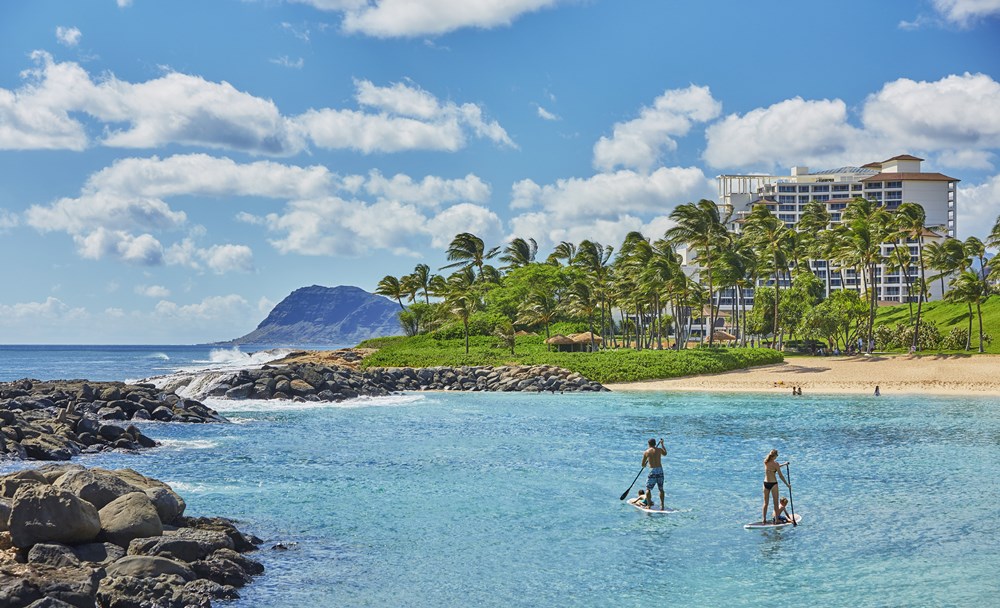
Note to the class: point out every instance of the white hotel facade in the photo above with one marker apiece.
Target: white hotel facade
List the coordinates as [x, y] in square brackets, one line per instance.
[888, 183]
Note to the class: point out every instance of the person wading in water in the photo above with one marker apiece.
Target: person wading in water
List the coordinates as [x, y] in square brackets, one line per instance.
[651, 458]
[772, 467]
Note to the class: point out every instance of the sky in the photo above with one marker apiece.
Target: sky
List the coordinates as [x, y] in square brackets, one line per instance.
[169, 171]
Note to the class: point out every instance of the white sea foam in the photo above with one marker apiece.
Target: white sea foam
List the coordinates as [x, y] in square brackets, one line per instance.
[187, 444]
[160, 356]
[286, 405]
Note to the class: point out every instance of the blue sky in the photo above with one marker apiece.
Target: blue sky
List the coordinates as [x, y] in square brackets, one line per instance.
[171, 170]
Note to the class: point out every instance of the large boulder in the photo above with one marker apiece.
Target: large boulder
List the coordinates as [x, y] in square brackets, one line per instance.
[42, 513]
[160, 592]
[167, 503]
[147, 566]
[52, 554]
[171, 547]
[99, 553]
[96, 486]
[129, 517]
[10, 483]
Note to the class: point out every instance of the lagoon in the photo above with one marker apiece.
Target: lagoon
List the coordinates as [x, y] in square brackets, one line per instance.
[508, 499]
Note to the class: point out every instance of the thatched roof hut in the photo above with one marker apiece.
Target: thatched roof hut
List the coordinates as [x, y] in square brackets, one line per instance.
[587, 337]
[519, 333]
[559, 340]
[722, 335]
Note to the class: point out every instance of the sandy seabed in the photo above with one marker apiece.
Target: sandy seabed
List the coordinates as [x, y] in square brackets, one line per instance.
[903, 374]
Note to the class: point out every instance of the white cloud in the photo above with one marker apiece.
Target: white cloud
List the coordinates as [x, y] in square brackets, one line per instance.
[546, 115]
[967, 12]
[431, 191]
[609, 231]
[408, 118]
[957, 117]
[408, 18]
[264, 305]
[228, 258]
[638, 143]
[142, 250]
[966, 159]
[68, 36]
[8, 220]
[287, 62]
[977, 207]
[214, 308]
[124, 3]
[189, 110]
[612, 194]
[51, 308]
[464, 217]
[152, 291]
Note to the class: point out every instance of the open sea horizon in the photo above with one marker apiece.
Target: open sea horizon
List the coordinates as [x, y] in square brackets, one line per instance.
[511, 499]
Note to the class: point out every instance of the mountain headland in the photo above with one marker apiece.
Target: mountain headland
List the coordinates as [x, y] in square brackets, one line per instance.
[317, 315]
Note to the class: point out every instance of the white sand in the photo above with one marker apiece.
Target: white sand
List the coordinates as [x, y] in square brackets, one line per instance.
[926, 374]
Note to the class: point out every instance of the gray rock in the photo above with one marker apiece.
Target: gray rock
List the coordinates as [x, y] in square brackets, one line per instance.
[50, 602]
[129, 517]
[42, 513]
[99, 553]
[171, 547]
[96, 486]
[52, 554]
[146, 566]
[167, 504]
[16, 591]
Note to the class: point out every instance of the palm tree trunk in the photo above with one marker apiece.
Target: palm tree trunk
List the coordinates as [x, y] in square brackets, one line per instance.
[979, 310]
[968, 336]
[920, 297]
[465, 323]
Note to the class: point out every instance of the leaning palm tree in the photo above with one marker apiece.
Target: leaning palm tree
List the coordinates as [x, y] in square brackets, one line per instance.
[519, 253]
[583, 302]
[391, 287]
[867, 225]
[468, 251]
[910, 220]
[700, 227]
[594, 259]
[419, 281]
[563, 251]
[772, 239]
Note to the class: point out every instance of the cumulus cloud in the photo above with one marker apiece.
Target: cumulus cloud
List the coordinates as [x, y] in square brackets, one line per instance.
[431, 191]
[221, 259]
[51, 308]
[8, 220]
[183, 109]
[917, 117]
[612, 194]
[638, 143]
[464, 217]
[406, 118]
[608, 231]
[212, 308]
[966, 12]
[68, 36]
[124, 3]
[977, 208]
[141, 250]
[409, 18]
[152, 291]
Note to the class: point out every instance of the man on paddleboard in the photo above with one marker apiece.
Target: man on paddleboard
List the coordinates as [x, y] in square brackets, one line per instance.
[651, 458]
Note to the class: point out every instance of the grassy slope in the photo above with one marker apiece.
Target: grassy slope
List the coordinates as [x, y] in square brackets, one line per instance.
[604, 366]
[947, 315]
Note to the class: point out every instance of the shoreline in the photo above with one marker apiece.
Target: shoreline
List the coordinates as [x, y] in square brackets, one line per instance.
[954, 375]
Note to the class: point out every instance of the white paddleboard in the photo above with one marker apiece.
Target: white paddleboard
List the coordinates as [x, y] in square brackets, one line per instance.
[653, 511]
[762, 526]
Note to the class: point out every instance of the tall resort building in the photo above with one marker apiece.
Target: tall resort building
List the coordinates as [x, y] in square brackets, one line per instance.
[888, 183]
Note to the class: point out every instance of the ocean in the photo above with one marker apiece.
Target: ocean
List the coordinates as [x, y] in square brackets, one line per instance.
[507, 499]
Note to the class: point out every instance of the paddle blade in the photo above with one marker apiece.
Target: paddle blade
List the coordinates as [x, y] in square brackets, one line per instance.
[624, 494]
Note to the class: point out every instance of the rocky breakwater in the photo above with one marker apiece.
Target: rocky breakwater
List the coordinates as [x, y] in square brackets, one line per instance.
[310, 382]
[59, 419]
[116, 539]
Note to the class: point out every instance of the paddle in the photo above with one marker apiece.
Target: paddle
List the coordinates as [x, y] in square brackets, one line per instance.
[791, 503]
[633, 483]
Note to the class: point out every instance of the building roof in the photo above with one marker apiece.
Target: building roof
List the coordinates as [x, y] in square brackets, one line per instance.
[912, 177]
[861, 170]
[876, 166]
[903, 157]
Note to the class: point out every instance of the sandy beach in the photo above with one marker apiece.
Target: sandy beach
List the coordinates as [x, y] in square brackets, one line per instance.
[927, 374]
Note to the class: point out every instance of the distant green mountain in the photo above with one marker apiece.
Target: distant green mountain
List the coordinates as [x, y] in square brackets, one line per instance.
[335, 316]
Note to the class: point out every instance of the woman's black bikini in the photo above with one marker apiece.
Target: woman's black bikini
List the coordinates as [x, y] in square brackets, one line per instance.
[769, 484]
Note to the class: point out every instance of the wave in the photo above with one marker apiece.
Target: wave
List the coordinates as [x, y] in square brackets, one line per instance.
[187, 444]
[160, 356]
[287, 405]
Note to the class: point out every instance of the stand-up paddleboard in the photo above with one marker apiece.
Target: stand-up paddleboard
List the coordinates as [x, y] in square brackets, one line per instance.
[653, 511]
[765, 526]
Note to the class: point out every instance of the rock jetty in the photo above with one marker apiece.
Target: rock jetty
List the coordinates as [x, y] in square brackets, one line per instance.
[72, 536]
[312, 382]
[59, 419]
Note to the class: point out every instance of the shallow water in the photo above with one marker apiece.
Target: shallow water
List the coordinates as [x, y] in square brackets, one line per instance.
[512, 499]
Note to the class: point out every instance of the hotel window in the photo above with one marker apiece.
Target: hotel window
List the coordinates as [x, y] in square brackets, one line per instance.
[894, 195]
[838, 206]
[786, 217]
[855, 187]
[841, 188]
[803, 188]
[786, 188]
[894, 184]
[821, 188]
[787, 208]
[786, 200]
[834, 217]
[873, 186]
[822, 198]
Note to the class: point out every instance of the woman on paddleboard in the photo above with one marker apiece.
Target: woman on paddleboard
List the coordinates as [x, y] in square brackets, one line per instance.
[771, 468]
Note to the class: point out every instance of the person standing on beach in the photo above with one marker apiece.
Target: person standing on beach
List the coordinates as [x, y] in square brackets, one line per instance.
[651, 458]
[878, 393]
[771, 468]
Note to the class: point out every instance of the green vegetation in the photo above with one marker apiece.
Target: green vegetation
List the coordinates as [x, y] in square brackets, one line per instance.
[603, 366]
[951, 317]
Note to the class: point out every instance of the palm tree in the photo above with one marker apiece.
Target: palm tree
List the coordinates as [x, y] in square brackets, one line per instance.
[910, 219]
[867, 225]
[634, 255]
[519, 252]
[563, 251]
[593, 259]
[970, 288]
[468, 250]
[540, 306]
[419, 281]
[582, 301]
[771, 238]
[391, 287]
[700, 227]
[461, 296]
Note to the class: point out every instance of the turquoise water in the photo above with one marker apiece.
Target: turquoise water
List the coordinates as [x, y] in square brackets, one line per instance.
[512, 499]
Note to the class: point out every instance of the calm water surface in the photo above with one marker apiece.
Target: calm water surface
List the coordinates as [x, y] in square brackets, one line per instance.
[454, 499]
